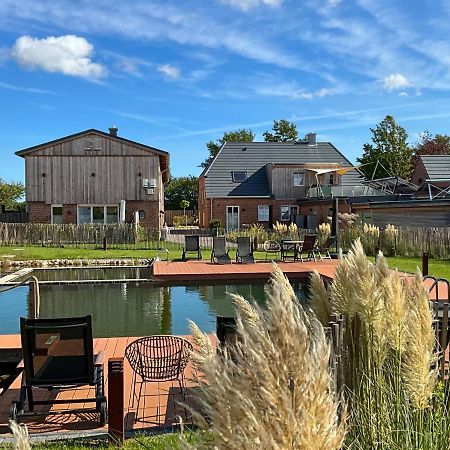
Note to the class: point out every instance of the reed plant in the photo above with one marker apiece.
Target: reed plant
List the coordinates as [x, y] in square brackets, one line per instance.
[271, 388]
[390, 358]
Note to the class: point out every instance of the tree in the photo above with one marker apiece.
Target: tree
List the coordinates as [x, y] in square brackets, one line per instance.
[284, 131]
[179, 189]
[390, 149]
[432, 145]
[10, 194]
[184, 204]
[213, 147]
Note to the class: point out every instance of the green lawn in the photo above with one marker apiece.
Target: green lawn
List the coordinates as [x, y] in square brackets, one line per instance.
[438, 268]
[30, 253]
[170, 441]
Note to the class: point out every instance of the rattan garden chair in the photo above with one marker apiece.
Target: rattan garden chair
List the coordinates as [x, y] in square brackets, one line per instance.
[157, 359]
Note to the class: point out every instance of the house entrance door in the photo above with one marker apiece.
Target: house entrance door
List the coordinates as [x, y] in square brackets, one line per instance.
[232, 218]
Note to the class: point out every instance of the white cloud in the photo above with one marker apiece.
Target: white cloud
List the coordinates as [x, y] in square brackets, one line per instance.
[169, 71]
[334, 3]
[247, 5]
[395, 81]
[293, 92]
[13, 87]
[70, 55]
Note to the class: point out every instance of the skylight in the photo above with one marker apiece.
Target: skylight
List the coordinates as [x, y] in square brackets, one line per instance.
[239, 176]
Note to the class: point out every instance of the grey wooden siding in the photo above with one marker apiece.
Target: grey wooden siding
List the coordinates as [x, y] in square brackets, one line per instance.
[405, 217]
[68, 170]
[282, 180]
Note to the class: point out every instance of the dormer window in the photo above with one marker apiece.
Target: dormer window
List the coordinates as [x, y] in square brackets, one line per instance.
[239, 176]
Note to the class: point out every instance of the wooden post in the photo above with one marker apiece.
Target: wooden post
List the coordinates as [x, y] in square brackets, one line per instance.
[105, 243]
[116, 426]
[425, 263]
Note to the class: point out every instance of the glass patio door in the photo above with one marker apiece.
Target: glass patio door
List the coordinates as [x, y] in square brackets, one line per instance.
[232, 217]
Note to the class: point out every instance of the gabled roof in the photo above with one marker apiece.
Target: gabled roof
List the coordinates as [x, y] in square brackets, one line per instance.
[437, 166]
[253, 158]
[163, 155]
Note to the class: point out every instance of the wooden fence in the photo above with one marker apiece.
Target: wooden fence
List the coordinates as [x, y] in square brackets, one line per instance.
[13, 216]
[169, 214]
[410, 242]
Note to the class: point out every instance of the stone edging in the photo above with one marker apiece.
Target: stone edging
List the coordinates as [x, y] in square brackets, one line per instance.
[74, 262]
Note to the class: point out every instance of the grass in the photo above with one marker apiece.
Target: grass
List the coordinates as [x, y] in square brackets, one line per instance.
[438, 268]
[168, 441]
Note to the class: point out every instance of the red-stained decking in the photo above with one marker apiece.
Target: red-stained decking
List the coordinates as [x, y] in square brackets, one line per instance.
[161, 406]
[205, 271]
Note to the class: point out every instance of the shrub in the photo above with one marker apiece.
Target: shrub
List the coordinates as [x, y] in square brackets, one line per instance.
[215, 223]
[180, 221]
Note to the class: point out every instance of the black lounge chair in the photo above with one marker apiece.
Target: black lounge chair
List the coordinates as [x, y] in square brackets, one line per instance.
[219, 253]
[325, 247]
[308, 247]
[244, 252]
[191, 244]
[58, 354]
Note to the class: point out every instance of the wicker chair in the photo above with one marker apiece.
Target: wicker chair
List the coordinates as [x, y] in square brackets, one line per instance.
[157, 359]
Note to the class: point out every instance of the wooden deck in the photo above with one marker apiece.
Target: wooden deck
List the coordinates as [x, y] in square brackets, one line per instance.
[206, 271]
[160, 400]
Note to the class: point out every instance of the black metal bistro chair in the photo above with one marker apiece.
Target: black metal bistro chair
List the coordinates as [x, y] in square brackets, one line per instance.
[156, 359]
[191, 244]
[58, 354]
[219, 252]
[244, 253]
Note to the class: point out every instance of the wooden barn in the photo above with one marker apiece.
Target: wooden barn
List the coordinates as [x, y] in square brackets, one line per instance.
[95, 177]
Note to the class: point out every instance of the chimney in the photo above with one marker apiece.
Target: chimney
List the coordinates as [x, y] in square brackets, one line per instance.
[113, 130]
[311, 137]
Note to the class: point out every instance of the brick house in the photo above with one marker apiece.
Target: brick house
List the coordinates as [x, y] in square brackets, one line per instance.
[95, 177]
[265, 182]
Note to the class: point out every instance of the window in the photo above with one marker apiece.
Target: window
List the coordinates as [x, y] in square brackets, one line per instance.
[263, 213]
[141, 214]
[57, 214]
[239, 176]
[299, 179]
[287, 211]
[101, 214]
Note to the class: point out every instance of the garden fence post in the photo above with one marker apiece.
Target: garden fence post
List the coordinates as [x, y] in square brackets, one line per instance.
[425, 263]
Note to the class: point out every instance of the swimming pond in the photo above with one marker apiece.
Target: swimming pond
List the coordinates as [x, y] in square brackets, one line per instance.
[131, 308]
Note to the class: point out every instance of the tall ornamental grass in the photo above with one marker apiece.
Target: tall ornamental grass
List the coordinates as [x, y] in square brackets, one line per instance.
[271, 389]
[390, 359]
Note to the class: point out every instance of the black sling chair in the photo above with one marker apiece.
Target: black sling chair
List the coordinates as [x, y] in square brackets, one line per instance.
[58, 354]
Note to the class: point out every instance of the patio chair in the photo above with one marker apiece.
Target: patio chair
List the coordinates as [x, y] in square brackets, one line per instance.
[325, 248]
[58, 354]
[271, 247]
[289, 249]
[191, 244]
[308, 247]
[244, 253]
[219, 252]
[157, 359]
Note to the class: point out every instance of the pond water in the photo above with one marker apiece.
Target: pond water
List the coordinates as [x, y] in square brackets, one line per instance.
[132, 308]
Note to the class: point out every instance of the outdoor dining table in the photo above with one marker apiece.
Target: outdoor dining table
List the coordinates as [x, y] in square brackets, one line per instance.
[296, 246]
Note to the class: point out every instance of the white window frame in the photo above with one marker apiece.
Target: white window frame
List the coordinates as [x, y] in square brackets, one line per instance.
[51, 213]
[295, 180]
[291, 208]
[265, 214]
[105, 217]
[238, 216]
[239, 171]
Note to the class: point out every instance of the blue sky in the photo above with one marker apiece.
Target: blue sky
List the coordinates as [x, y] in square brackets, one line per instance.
[175, 74]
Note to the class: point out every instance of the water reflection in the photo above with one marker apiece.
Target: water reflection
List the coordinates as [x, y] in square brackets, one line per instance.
[137, 308]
